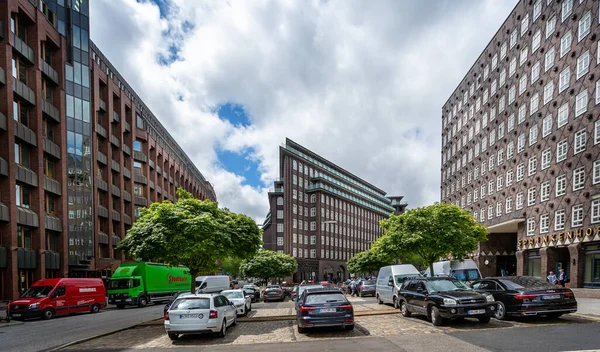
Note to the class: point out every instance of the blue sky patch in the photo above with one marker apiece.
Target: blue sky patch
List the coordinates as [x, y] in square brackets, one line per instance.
[234, 113]
[241, 164]
[163, 6]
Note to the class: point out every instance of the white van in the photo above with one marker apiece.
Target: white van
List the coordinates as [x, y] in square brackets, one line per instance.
[389, 281]
[463, 270]
[212, 284]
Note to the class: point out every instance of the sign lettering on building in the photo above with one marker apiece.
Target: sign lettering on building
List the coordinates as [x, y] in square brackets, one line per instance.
[561, 238]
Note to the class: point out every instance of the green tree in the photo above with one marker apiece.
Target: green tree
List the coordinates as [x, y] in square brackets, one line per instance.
[231, 265]
[269, 265]
[368, 261]
[432, 232]
[193, 233]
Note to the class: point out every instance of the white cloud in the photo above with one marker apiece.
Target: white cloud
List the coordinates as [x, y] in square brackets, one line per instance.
[361, 83]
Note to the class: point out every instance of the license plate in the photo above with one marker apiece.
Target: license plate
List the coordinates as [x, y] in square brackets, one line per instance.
[187, 316]
[327, 310]
[551, 297]
[16, 315]
[476, 311]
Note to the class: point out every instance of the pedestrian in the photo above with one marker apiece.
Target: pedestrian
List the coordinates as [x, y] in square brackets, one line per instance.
[552, 278]
[354, 286]
[562, 277]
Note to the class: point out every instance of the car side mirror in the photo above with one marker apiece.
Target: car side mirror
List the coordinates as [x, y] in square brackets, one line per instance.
[231, 304]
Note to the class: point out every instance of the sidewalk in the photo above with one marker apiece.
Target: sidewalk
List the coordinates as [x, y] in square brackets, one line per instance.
[586, 293]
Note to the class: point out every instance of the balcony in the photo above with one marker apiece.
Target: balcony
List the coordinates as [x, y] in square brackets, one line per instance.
[138, 200]
[116, 216]
[140, 179]
[127, 127]
[126, 149]
[176, 184]
[115, 191]
[27, 176]
[49, 72]
[53, 223]
[102, 185]
[171, 179]
[151, 184]
[102, 105]
[115, 166]
[25, 134]
[23, 91]
[102, 237]
[151, 163]
[140, 156]
[102, 211]
[158, 189]
[100, 130]
[3, 167]
[115, 117]
[127, 196]
[2, 73]
[50, 111]
[115, 141]
[101, 157]
[3, 125]
[26, 258]
[52, 148]
[27, 217]
[4, 212]
[165, 176]
[115, 240]
[127, 219]
[158, 170]
[53, 186]
[52, 260]
[23, 49]
[126, 172]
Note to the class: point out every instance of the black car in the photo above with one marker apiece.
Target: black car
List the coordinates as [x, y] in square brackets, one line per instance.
[252, 294]
[367, 288]
[444, 298]
[322, 307]
[273, 293]
[172, 299]
[526, 295]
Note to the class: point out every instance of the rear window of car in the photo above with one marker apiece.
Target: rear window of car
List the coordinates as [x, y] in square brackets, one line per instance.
[273, 287]
[191, 303]
[369, 282]
[325, 298]
[525, 282]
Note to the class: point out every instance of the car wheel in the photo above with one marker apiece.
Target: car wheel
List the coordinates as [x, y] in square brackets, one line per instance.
[484, 320]
[48, 314]
[349, 327]
[95, 308]
[379, 301]
[173, 336]
[142, 302]
[404, 309]
[301, 330]
[223, 331]
[436, 319]
[396, 305]
[554, 315]
[500, 312]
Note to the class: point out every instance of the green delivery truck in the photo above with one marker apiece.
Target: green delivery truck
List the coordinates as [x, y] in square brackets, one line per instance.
[140, 283]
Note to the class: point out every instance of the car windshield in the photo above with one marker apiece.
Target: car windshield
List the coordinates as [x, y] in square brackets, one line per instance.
[273, 287]
[525, 283]
[401, 278]
[466, 274]
[369, 282]
[233, 294]
[116, 284]
[191, 303]
[324, 298]
[248, 286]
[37, 291]
[446, 285]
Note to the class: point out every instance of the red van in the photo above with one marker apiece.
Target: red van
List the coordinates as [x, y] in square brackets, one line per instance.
[49, 297]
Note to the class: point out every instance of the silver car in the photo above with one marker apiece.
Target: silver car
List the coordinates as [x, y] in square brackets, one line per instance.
[200, 314]
[243, 302]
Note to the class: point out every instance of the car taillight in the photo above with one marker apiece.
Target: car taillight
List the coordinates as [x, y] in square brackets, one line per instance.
[568, 294]
[347, 307]
[279, 291]
[522, 297]
[213, 314]
[166, 315]
[306, 309]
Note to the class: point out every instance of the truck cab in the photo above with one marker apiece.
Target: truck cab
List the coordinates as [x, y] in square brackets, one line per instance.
[126, 291]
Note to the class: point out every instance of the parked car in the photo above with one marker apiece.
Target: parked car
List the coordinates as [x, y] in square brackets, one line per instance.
[172, 299]
[526, 295]
[463, 270]
[253, 287]
[212, 284]
[199, 314]
[443, 299]
[49, 297]
[252, 294]
[242, 302]
[367, 288]
[273, 293]
[320, 307]
[301, 289]
[389, 282]
[294, 293]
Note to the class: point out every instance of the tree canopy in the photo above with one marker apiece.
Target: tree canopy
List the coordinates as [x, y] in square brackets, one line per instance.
[193, 233]
[231, 266]
[368, 261]
[432, 232]
[269, 265]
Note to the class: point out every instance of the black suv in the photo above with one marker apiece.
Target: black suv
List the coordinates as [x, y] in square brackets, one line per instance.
[443, 298]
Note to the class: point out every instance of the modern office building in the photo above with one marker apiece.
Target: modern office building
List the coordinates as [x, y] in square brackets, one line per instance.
[80, 152]
[322, 214]
[521, 143]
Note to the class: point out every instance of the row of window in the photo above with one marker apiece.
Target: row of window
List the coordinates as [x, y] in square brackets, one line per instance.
[325, 254]
[577, 215]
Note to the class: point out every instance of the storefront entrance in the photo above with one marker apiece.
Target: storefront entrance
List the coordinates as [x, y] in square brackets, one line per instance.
[506, 265]
[591, 277]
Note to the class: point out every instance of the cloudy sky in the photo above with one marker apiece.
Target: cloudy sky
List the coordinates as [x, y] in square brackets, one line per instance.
[361, 83]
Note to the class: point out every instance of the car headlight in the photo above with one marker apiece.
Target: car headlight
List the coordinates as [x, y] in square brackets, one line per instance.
[34, 306]
[489, 298]
[449, 302]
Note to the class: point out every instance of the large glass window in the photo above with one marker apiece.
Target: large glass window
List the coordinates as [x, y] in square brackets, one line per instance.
[534, 265]
[20, 112]
[23, 237]
[137, 146]
[22, 155]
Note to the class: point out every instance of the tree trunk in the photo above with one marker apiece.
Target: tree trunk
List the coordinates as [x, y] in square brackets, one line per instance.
[193, 283]
[431, 267]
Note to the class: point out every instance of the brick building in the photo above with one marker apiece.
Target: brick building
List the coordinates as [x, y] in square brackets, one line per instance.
[80, 152]
[520, 143]
[322, 214]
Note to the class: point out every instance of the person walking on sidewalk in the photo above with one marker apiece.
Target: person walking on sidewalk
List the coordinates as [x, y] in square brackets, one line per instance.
[552, 278]
[562, 277]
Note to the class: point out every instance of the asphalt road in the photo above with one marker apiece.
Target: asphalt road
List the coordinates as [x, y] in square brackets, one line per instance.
[43, 335]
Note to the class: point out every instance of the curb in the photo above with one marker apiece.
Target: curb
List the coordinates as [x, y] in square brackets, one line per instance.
[8, 325]
[68, 344]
